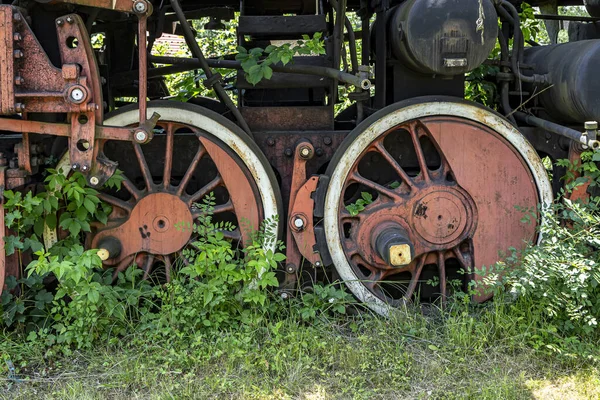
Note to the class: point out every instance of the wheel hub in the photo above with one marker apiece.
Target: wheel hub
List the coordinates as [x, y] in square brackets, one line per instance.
[436, 217]
[160, 223]
[443, 216]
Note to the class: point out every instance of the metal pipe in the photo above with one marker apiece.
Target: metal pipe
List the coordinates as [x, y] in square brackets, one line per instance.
[507, 11]
[142, 68]
[338, 39]
[365, 58]
[558, 129]
[202, 62]
[381, 59]
[352, 45]
[184, 64]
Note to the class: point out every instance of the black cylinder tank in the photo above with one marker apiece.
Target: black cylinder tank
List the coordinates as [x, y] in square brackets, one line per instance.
[445, 37]
[573, 70]
[592, 7]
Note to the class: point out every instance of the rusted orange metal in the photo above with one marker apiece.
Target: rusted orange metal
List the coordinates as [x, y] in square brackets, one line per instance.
[116, 5]
[304, 237]
[579, 193]
[451, 212]
[7, 75]
[300, 239]
[150, 227]
[55, 129]
[156, 223]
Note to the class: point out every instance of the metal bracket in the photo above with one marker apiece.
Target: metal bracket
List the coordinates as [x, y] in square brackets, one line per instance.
[300, 239]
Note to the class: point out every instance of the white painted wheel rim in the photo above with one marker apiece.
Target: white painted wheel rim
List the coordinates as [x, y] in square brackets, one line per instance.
[382, 125]
[211, 126]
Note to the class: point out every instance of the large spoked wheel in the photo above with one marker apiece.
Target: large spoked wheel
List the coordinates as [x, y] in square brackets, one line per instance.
[448, 181]
[194, 153]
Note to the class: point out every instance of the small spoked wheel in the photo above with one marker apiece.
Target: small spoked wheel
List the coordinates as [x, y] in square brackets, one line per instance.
[424, 192]
[194, 153]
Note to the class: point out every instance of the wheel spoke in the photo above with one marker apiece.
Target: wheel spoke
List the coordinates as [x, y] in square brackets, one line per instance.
[233, 235]
[148, 265]
[209, 187]
[394, 164]
[130, 187]
[413, 129]
[115, 202]
[416, 275]
[122, 267]
[223, 208]
[143, 166]
[168, 266]
[442, 272]
[190, 171]
[356, 177]
[168, 155]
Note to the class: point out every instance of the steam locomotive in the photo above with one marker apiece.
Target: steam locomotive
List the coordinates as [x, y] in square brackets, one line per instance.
[408, 184]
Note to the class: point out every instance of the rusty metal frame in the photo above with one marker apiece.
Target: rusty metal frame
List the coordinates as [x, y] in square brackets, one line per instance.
[300, 239]
[29, 82]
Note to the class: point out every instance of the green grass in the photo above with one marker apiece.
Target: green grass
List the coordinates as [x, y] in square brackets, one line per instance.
[450, 355]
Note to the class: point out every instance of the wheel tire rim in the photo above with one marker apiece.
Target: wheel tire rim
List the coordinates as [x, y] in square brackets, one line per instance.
[378, 125]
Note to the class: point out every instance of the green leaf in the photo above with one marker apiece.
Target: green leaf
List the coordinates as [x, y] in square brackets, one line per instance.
[51, 221]
[11, 244]
[89, 205]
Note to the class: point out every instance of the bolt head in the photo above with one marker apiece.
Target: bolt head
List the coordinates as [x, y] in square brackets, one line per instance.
[59, 22]
[141, 136]
[70, 19]
[591, 125]
[17, 16]
[305, 152]
[75, 166]
[94, 181]
[84, 168]
[140, 7]
[17, 36]
[288, 152]
[285, 295]
[318, 264]
[18, 53]
[298, 223]
[77, 95]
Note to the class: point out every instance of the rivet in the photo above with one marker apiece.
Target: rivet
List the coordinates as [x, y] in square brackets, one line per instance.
[17, 36]
[18, 53]
[70, 19]
[17, 16]
[19, 80]
[59, 22]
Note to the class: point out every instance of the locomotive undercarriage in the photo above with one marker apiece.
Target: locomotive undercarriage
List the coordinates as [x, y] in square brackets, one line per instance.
[443, 176]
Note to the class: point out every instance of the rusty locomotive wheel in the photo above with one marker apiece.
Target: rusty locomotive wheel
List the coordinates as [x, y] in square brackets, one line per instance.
[447, 181]
[194, 152]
